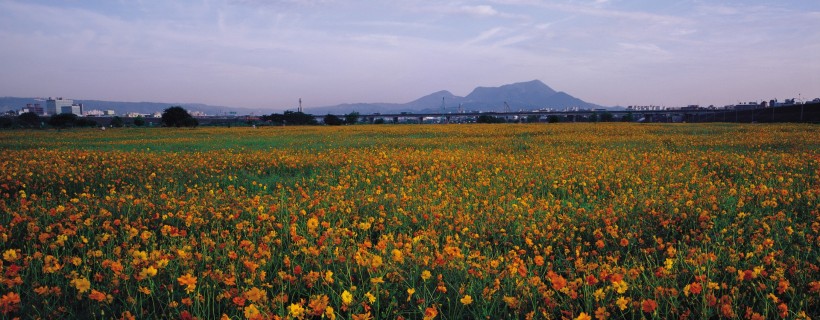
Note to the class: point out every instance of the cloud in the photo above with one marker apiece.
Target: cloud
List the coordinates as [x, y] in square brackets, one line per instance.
[480, 10]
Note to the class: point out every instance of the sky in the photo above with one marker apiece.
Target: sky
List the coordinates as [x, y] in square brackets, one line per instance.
[270, 53]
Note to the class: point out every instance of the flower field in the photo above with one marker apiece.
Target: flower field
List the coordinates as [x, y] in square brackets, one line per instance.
[576, 221]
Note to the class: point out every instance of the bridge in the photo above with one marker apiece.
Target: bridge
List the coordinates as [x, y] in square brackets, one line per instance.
[808, 112]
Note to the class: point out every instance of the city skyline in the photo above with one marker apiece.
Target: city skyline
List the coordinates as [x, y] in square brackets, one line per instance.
[269, 54]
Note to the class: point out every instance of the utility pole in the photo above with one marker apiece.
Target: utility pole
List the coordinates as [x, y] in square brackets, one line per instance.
[300, 104]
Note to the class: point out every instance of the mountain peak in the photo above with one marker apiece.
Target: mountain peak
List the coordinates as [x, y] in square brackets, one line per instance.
[530, 94]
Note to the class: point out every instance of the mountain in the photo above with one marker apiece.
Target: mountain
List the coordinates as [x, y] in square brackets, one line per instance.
[530, 95]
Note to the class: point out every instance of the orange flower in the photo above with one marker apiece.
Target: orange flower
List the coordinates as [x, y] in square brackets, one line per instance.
[430, 313]
[649, 305]
[782, 310]
[583, 316]
[96, 296]
[782, 286]
[695, 288]
[558, 281]
[189, 281]
[363, 316]
[318, 305]
[255, 295]
[10, 302]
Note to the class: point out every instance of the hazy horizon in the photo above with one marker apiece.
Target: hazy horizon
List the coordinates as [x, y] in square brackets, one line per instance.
[269, 54]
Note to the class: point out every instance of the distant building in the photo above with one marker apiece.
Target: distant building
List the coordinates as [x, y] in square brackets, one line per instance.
[73, 108]
[109, 112]
[55, 105]
[94, 113]
[33, 107]
[745, 106]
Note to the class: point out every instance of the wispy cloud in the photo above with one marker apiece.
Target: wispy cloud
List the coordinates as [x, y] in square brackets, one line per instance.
[263, 52]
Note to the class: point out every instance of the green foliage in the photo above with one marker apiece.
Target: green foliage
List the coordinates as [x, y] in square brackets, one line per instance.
[290, 118]
[352, 118]
[6, 122]
[66, 120]
[29, 119]
[333, 120]
[139, 121]
[553, 119]
[178, 117]
[116, 122]
[484, 118]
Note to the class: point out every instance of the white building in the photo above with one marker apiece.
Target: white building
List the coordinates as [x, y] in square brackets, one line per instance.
[55, 106]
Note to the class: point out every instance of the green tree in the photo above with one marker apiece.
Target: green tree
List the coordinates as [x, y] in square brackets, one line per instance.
[352, 118]
[139, 121]
[628, 117]
[607, 117]
[553, 119]
[116, 122]
[484, 118]
[532, 118]
[178, 117]
[65, 120]
[333, 120]
[6, 122]
[29, 119]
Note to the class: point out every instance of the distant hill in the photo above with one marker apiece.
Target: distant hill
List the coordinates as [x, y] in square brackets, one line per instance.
[530, 95]
[121, 108]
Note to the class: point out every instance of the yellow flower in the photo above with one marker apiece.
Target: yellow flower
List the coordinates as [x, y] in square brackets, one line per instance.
[397, 256]
[82, 284]
[312, 224]
[467, 299]
[410, 292]
[370, 297]
[144, 290]
[329, 313]
[329, 276]
[10, 255]
[599, 294]
[148, 272]
[622, 302]
[251, 311]
[296, 310]
[347, 298]
[620, 286]
[425, 275]
[376, 280]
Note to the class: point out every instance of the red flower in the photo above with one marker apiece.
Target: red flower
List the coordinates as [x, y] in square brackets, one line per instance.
[649, 305]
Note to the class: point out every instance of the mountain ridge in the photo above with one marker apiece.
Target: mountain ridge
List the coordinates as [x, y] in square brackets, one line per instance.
[529, 95]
